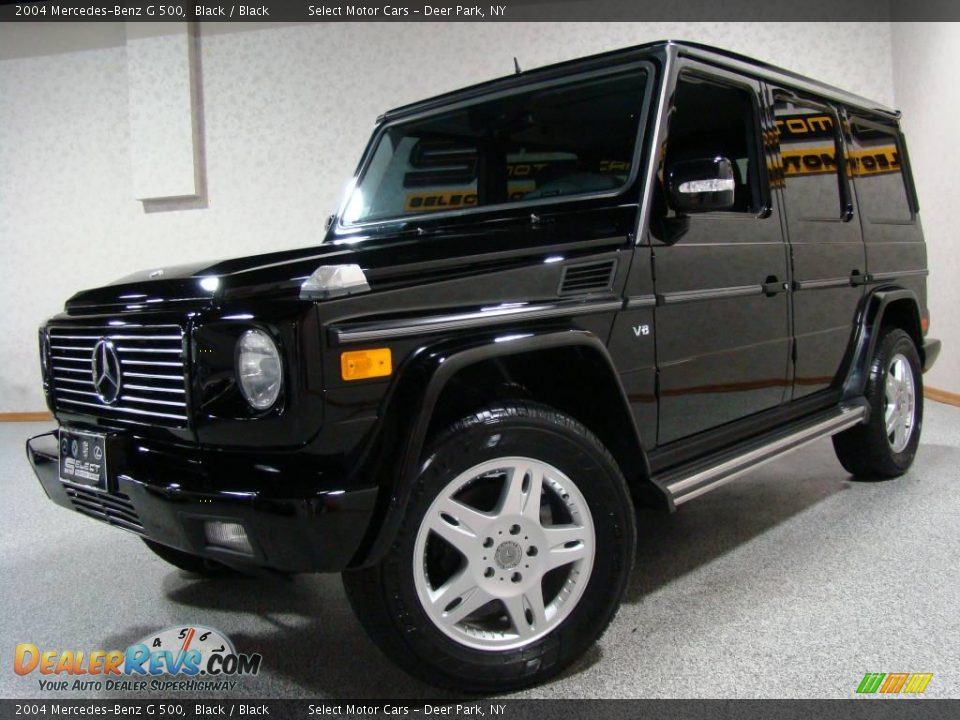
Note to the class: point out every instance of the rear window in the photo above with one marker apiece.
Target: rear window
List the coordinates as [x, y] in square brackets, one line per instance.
[553, 142]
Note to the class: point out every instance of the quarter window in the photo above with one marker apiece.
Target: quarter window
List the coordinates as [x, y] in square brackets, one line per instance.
[878, 173]
[557, 141]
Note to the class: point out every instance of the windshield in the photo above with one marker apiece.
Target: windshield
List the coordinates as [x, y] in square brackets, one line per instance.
[563, 140]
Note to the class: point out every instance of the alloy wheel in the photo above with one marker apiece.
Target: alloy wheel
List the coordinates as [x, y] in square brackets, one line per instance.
[504, 553]
[899, 403]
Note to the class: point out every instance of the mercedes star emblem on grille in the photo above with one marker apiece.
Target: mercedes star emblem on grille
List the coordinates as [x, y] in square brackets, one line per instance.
[106, 371]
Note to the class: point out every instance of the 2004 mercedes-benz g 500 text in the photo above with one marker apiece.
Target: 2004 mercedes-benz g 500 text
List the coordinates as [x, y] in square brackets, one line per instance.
[545, 299]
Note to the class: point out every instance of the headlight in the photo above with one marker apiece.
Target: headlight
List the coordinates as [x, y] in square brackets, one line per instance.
[44, 354]
[259, 369]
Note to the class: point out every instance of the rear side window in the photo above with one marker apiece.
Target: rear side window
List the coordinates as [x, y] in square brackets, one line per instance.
[809, 146]
[565, 140]
[876, 162]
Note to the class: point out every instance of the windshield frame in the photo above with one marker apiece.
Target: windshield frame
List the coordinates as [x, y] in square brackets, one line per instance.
[647, 67]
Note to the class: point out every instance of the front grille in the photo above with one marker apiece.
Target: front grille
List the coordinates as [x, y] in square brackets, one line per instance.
[114, 509]
[153, 387]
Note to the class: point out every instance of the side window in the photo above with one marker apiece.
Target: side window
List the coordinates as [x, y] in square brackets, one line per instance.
[714, 120]
[878, 172]
[561, 140]
[810, 145]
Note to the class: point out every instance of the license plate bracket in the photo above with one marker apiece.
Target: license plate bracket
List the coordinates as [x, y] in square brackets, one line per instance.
[83, 458]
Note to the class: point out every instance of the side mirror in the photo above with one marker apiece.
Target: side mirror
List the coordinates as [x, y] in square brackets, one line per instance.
[696, 186]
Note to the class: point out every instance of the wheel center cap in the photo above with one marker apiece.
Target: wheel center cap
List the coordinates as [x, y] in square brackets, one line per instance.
[508, 555]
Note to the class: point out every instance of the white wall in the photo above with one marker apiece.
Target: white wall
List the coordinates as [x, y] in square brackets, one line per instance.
[928, 93]
[286, 112]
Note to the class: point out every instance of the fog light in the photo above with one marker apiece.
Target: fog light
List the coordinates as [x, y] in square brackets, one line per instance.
[228, 535]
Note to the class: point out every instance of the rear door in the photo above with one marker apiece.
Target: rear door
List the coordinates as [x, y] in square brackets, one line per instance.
[896, 253]
[722, 320]
[826, 248]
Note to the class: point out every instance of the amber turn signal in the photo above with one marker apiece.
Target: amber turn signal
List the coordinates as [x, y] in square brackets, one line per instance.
[363, 364]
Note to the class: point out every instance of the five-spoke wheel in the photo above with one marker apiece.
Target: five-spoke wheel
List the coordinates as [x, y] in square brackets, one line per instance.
[512, 555]
[518, 567]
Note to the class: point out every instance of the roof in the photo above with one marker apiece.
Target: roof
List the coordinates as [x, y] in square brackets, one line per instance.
[660, 48]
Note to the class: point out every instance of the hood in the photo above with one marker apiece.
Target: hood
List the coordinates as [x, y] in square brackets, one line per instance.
[198, 284]
[395, 258]
[270, 275]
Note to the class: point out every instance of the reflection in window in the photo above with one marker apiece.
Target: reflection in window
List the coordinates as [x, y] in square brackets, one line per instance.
[558, 141]
[878, 174]
[809, 144]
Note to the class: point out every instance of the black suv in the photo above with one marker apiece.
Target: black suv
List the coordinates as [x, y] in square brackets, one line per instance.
[545, 299]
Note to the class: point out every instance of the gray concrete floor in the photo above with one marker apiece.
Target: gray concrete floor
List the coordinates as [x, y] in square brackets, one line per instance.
[791, 582]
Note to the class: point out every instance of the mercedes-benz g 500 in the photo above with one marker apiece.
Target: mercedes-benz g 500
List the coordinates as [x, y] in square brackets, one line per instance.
[625, 279]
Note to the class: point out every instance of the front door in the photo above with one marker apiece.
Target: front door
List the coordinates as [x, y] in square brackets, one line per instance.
[722, 318]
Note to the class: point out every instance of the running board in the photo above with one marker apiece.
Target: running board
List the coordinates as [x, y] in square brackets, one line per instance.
[694, 479]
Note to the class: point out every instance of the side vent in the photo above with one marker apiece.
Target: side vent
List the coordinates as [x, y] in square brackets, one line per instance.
[589, 277]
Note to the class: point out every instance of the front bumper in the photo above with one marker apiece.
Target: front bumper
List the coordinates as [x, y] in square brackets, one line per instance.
[296, 518]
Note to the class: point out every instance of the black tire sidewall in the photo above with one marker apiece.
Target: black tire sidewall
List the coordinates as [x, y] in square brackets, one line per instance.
[596, 475]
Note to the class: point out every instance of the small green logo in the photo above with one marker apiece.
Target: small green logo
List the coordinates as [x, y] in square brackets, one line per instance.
[894, 683]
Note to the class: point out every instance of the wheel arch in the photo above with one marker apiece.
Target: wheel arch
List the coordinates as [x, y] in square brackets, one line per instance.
[435, 375]
[887, 306]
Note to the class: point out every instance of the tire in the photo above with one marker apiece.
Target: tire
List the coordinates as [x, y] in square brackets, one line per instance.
[872, 451]
[493, 455]
[190, 563]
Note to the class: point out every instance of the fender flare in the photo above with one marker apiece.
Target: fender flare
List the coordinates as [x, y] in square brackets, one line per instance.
[868, 331]
[435, 366]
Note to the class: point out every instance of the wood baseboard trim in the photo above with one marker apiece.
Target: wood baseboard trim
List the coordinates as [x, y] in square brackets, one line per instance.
[944, 396]
[25, 416]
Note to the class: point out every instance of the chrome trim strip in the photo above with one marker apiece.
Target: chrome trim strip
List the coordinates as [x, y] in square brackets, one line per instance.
[96, 337]
[697, 295]
[894, 274]
[78, 381]
[365, 332]
[167, 351]
[116, 328]
[151, 363]
[78, 392]
[153, 388]
[149, 401]
[822, 283]
[151, 376]
[132, 411]
[735, 467]
[640, 301]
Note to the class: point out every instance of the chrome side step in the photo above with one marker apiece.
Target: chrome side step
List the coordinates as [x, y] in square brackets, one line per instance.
[691, 481]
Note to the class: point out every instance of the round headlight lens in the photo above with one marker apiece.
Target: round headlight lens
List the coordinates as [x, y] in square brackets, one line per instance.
[44, 354]
[259, 369]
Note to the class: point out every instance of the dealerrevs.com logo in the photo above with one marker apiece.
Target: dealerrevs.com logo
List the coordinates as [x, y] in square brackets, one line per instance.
[192, 658]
